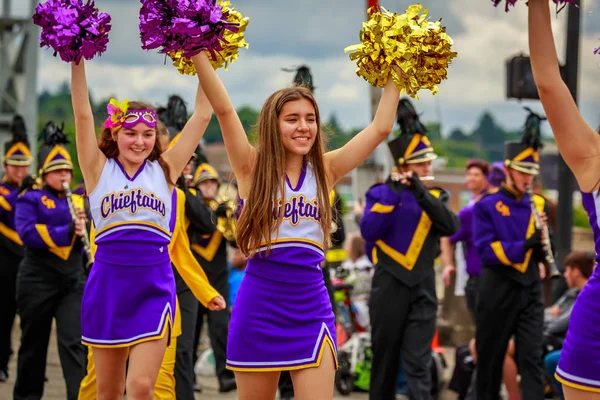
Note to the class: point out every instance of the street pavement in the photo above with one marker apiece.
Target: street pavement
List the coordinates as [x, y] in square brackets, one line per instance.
[55, 387]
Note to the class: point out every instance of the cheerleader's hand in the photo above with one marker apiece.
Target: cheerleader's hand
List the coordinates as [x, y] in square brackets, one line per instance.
[217, 304]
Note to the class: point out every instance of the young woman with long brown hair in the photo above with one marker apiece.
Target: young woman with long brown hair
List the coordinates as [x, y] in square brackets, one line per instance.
[129, 299]
[282, 318]
[579, 144]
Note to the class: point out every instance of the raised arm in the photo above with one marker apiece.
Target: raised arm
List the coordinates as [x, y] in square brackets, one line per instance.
[178, 156]
[91, 159]
[242, 155]
[577, 142]
[341, 161]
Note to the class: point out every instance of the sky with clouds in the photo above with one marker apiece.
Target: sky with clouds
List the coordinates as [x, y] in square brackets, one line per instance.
[284, 34]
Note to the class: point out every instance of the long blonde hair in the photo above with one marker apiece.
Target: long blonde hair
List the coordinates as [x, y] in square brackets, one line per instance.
[257, 221]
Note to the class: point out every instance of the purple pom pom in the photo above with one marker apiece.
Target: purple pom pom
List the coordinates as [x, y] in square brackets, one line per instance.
[72, 29]
[191, 26]
[560, 4]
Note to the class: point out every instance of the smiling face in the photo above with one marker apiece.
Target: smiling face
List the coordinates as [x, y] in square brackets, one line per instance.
[298, 126]
[136, 143]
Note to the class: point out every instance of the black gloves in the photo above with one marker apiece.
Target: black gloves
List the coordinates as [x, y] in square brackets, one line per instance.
[416, 186]
[181, 182]
[535, 241]
[221, 210]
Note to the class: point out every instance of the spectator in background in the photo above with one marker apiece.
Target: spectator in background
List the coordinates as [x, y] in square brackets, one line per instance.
[475, 181]
[578, 269]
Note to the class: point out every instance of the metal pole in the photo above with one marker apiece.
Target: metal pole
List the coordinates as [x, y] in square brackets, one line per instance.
[374, 96]
[566, 183]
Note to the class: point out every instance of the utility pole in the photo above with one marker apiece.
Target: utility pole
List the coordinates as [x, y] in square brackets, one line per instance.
[566, 183]
[380, 157]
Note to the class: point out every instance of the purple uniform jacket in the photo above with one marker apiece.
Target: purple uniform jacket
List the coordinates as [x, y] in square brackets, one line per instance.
[9, 238]
[405, 228]
[501, 224]
[44, 223]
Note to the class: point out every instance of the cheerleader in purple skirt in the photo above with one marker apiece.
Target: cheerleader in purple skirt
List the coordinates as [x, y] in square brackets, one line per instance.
[579, 366]
[129, 298]
[282, 317]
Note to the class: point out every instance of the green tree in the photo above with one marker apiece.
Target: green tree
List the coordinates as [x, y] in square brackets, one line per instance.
[336, 135]
[434, 131]
[457, 135]
[490, 137]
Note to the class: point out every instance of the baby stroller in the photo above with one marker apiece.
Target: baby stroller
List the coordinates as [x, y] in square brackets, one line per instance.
[354, 344]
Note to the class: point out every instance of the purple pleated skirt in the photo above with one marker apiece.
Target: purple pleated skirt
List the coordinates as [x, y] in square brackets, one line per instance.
[124, 305]
[579, 365]
[281, 320]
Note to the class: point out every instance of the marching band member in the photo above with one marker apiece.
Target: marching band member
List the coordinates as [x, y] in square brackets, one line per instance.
[16, 160]
[404, 221]
[51, 276]
[510, 290]
[174, 116]
[210, 248]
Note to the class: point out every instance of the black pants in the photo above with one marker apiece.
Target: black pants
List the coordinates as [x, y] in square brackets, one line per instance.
[285, 385]
[403, 320]
[506, 308]
[218, 328]
[184, 361]
[471, 295]
[44, 294]
[8, 303]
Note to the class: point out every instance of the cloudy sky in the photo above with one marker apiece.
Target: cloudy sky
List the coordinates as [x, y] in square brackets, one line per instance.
[284, 34]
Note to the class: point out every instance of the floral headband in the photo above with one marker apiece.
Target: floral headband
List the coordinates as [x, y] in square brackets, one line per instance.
[119, 116]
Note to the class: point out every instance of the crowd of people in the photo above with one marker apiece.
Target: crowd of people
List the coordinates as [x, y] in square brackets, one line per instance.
[154, 243]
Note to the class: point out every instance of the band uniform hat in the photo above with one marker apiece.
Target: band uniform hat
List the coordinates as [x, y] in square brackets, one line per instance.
[205, 172]
[523, 155]
[175, 116]
[17, 150]
[53, 155]
[412, 145]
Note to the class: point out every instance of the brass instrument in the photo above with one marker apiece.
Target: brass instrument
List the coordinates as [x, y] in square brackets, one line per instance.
[554, 272]
[225, 225]
[85, 238]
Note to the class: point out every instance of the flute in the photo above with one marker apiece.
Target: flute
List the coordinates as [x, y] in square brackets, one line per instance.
[85, 239]
[553, 269]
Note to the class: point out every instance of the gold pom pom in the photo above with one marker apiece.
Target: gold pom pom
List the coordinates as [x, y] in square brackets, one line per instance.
[233, 42]
[185, 66]
[419, 48]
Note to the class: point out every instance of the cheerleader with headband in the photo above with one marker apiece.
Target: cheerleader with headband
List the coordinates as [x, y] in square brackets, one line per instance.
[129, 301]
